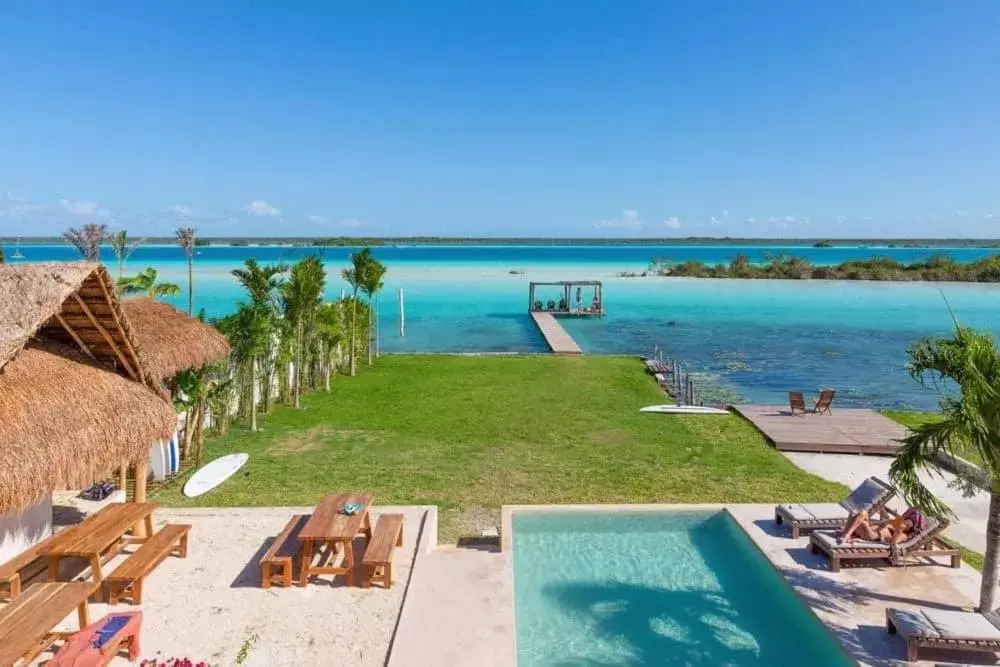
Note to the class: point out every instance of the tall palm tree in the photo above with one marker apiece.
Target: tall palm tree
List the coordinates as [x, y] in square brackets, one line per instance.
[354, 275]
[330, 332]
[301, 297]
[371, 284]
[87, 240]
[145, 282]
[254, 327]
[123, 247]
[971, 361]
[186, 239]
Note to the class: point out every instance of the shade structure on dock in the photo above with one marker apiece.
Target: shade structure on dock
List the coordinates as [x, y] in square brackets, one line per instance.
[568, 303]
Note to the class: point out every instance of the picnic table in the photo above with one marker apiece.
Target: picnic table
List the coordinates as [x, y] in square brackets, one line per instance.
[330, 527]
[98, 537]
[26, 622]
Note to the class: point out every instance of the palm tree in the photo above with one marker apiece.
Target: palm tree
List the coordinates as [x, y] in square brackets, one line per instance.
[354, 275]
[301, 297]
[87, 240]
[254, 327]
[330, 332]
[145, 283]
[971, 419]
[186, 239]
[123, 248]
[371, 284]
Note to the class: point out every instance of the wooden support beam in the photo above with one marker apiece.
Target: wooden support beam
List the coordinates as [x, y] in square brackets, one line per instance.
[118, 322]
[107, 337]
[139, 495]
[76, 339]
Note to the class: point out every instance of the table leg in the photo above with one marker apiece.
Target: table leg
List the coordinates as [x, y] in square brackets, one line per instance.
[149, 525]
[81, 615]
[307, 556]
[352, 572]
[98, 574]
[54, 568]
[366, 525]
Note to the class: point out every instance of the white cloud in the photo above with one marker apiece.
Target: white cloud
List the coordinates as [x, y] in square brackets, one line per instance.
[82, 207]
[751, 221]
[962, 213]
[715, 220]
[629, 219]
[789, 218]
[316, 219]
[725, 213]
[774, 219]
[841, 219]
[672, 222]
[180, 210]
[987, 216]
[261, 209]
[351, 222]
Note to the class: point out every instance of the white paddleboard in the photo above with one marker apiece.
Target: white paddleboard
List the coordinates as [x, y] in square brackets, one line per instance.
[214, 473]
[683, 410]
[159, 460]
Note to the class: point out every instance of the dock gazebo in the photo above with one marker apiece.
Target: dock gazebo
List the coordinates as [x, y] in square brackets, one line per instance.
[572, 301]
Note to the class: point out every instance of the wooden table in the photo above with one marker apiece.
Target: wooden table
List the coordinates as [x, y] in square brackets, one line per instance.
[329, 526]
[26, 622]
[98, 536]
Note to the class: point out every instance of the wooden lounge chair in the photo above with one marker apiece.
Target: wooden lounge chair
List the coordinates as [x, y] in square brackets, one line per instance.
[924, 544]
[945, 629]
[871, 496]
[797, 402]
[823, 402]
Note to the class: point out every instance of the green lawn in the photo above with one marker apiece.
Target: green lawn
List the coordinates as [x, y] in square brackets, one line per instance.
[470, 434]
[914, 419]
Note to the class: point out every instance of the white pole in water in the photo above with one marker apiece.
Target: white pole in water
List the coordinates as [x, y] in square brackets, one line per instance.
[343, 294]
[402, 315]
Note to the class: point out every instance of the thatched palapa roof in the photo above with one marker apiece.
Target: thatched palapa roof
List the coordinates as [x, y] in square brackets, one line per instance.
[169, 340]
[67, 420]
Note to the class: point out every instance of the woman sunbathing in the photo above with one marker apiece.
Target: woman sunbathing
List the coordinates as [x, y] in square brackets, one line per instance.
[891, 531]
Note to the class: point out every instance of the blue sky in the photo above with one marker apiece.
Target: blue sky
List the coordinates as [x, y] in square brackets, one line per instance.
[499, 117]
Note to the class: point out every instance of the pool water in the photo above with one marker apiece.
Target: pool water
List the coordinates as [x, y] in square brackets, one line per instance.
[655, 588]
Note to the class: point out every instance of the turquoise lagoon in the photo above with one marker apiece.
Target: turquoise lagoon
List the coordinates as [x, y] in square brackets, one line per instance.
[637, 588]
[745, 340]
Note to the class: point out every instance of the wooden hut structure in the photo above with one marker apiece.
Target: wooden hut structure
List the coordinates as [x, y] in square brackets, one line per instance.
[569, 304]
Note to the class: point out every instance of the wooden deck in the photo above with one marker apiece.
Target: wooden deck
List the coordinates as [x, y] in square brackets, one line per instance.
[846, 431]
[560, 342]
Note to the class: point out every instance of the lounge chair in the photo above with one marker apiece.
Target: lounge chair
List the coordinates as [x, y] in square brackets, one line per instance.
[823, 402]
[924, 544]
[944, 629]
[797, 402]
[871, 496]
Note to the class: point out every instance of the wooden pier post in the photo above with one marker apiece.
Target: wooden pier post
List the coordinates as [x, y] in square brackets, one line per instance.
[402, 315]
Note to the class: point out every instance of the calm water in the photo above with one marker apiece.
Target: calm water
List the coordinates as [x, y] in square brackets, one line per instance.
[661, 588]
[747, 340]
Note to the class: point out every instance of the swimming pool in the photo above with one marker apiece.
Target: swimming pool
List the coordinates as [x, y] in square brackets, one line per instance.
[616, 588]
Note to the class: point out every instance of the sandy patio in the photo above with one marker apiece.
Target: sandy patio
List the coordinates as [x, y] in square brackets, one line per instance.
[210, 605]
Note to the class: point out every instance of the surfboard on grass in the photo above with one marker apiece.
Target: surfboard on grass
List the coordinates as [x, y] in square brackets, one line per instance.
[683, 410]
[214, 473]
[159, 460]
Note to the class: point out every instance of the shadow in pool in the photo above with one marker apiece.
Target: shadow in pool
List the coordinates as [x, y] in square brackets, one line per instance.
[661, 627]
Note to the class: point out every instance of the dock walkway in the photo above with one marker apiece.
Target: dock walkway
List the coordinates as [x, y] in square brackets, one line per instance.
[845, 431]
[560, 342]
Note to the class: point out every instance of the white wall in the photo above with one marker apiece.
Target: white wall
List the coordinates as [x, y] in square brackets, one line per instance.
[21, 529]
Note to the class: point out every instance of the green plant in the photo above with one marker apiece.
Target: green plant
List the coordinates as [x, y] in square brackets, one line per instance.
[187, 239]
[122, 247]
[145, 282]
[87, 240]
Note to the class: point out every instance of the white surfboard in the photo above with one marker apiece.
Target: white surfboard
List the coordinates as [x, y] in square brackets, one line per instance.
[159, 460]
[214, 473]
[683, 410]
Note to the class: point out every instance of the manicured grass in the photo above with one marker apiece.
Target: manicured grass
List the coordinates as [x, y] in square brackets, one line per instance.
[470, 434]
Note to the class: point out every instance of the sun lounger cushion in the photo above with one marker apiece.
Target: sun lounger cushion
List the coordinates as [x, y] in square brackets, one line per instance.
[816, 512]
[944, 624]
[870, 492]
[829, 539]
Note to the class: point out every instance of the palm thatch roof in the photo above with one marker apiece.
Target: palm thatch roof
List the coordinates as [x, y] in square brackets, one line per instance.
[71, 302]
[170, 341]
[67, 420]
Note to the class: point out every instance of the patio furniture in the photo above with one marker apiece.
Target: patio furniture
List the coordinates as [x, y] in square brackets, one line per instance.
[796, 402]
[279, 559]
[126, 580]
[99, 537]
[871, 496]
[377, 561]
[823, 402]
[26, 622]
[10, 571]
[925, 544]
[99, 643]
[330, 526]
[944, 629]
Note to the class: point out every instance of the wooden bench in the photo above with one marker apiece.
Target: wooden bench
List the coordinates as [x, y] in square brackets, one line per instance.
[377, 561]
[10, 572]
[279, 559]
[126, 581]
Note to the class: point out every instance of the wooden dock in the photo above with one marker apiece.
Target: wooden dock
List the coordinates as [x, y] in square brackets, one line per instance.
[560, 342]
[846, 431]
